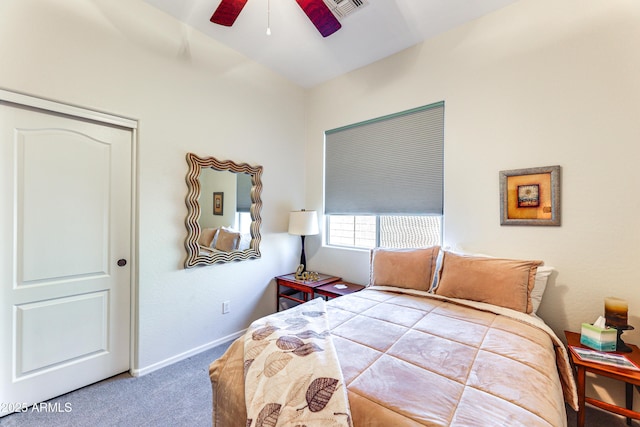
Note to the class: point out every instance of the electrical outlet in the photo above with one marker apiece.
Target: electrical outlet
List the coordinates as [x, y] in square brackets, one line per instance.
[225, 307]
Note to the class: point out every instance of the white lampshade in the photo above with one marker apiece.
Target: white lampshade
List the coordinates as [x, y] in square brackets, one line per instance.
[303, 223]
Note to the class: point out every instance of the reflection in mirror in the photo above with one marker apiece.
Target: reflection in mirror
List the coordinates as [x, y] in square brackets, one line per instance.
[223, 211]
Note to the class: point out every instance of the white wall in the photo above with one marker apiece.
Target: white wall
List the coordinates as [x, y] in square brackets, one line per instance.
[189, 94]
[539, 83]
[212, 181]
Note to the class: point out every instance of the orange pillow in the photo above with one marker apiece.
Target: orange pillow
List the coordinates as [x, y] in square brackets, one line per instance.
[403, 268]
[206, 236]
[227, 240]
[498, 281]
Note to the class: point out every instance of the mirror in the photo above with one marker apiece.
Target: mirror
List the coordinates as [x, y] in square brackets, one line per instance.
[223, 211]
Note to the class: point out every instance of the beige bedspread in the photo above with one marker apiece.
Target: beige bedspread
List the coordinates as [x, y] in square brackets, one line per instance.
[410, 359]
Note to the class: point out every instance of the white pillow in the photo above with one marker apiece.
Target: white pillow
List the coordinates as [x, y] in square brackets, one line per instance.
[436, 273]
[542, 276]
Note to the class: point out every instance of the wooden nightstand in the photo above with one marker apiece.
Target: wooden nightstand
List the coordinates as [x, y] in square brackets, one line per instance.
[338, 289]
[629, 377]
[293, 286]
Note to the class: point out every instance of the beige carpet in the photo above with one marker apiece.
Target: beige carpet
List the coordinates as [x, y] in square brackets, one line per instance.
[178, 395]
[594, 417]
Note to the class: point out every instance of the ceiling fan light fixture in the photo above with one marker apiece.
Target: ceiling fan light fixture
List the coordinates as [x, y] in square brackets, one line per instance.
[317, 10]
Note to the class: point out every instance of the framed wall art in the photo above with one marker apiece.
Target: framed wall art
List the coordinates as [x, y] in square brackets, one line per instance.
[530, 196]
[218, 203]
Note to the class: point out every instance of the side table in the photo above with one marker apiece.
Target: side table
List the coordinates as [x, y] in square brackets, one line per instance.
[288, 286]
[629, 377]
[338, 289]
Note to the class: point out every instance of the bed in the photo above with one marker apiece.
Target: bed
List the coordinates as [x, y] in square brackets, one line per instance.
[433, 341]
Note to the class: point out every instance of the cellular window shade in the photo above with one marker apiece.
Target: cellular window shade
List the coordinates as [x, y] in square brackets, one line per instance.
[388, 166]
[243, 192]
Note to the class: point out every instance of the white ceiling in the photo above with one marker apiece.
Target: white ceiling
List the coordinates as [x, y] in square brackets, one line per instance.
[296, 49]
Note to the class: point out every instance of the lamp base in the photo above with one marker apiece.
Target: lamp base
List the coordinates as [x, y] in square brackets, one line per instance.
[621, 347]
[303, 258]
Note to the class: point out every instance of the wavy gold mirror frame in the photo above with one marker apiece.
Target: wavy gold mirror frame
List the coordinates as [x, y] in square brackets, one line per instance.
[196, 255]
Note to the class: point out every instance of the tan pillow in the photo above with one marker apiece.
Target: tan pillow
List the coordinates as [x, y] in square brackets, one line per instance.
[404, 268]
[227, 240]
[206, 236]
[498, 281]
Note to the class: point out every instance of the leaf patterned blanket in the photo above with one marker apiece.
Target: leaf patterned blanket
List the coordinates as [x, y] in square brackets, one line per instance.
[291, 369]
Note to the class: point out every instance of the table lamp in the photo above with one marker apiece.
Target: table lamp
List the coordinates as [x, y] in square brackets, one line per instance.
[303, 223]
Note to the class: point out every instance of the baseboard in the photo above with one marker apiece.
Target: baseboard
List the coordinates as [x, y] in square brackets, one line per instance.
[177, 358]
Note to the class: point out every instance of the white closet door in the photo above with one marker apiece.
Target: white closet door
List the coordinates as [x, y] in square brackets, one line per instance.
[65, 226]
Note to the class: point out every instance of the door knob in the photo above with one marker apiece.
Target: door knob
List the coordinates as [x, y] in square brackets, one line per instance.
[122, 262]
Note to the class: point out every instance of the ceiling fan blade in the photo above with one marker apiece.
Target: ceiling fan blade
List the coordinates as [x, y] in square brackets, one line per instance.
[227, 12]
[320, 16]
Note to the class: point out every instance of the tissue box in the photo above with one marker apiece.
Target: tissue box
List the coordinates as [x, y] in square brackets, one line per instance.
[598, 338]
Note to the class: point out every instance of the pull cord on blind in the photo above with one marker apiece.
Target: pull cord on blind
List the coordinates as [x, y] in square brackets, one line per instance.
[392, 165]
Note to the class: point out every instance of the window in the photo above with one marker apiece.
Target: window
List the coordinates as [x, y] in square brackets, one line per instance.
[243, 222]
[243, 202]
[370, 231]
[384, 181]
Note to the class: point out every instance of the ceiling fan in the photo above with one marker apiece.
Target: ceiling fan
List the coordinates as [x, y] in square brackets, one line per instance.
[317, 11]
